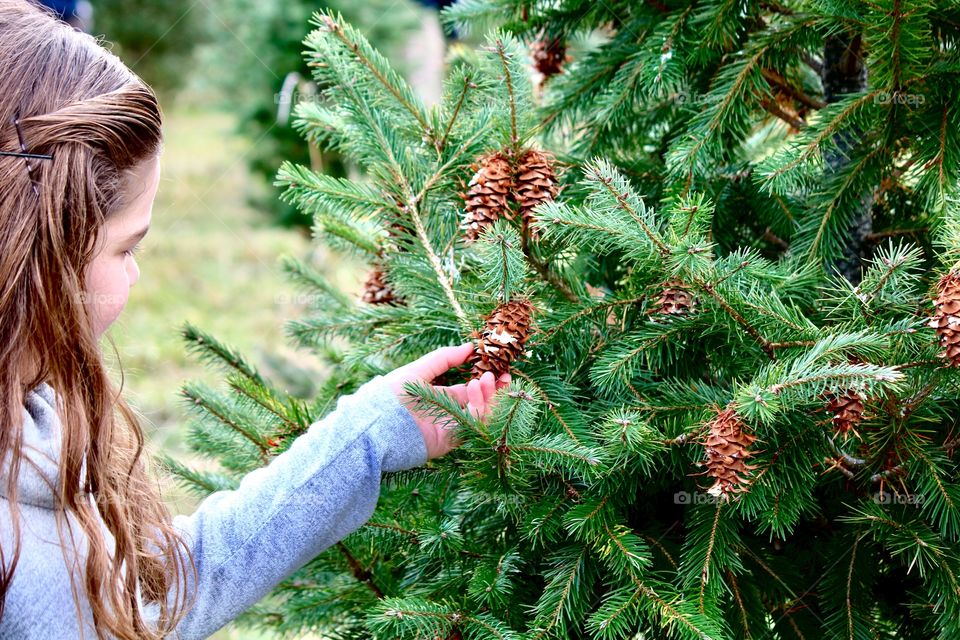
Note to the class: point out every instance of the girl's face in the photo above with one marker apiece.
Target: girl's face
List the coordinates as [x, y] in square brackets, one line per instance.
[114, 268]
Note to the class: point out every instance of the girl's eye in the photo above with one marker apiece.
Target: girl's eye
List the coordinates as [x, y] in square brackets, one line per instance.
[132, 251]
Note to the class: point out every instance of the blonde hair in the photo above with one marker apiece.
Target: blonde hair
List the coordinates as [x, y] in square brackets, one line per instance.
[79, 103]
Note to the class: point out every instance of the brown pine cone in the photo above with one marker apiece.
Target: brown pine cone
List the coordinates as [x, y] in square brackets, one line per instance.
[727, 446]
[675, 299]
[536, 183]
[549, 55]
[488, 194]
[846, 411]
[946, 319]
[502, 339]
[376, 290]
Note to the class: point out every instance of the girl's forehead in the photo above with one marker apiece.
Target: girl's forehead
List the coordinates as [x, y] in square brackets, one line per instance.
[140, 190]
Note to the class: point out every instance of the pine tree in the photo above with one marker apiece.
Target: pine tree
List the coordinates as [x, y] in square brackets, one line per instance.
[663, 464]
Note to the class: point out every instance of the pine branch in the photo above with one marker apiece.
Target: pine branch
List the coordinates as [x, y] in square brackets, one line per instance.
[774, 109]
[773, 574]
[839, 375]
[442, 277]
[739, 319]
[544, 270]
[404, 98]
[705, 571]
[571, 580]
[621, 199]
[551, 405]
[833, 127]
[740, 606]
[212, 350]
[502, 266]
[202, 401]
[849, 599]
[792, 344]
[467, 86]
[466, 147]
[779, 81]
[558, 452]
[391, 527]
[263, 398]
[659, 545]
[362, 575]
[202, 483]
[847, 188]
[514, 138]
[545, 336]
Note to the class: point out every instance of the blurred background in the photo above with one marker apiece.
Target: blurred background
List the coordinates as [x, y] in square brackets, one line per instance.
[228, 73]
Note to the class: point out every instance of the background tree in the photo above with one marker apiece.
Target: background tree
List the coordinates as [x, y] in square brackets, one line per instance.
[712, 432]
[269, 38]
[156, 39]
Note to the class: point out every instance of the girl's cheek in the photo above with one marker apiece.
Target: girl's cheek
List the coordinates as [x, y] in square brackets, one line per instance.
[108, 287]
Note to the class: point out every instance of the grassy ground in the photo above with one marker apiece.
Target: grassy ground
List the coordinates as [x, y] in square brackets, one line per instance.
[210, 260]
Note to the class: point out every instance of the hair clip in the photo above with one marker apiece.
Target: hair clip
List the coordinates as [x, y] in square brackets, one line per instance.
[38, 156]
[26, 155]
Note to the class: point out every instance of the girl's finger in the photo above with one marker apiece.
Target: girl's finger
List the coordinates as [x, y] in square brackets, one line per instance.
[457, 391]
[504, 381]
[439, 361]
[475, 398]
[489, 387]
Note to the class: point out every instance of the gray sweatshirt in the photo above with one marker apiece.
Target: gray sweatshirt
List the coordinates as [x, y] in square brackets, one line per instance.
[244, 542]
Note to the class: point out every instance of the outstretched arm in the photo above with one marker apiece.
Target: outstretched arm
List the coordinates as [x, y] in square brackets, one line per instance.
[246, 541]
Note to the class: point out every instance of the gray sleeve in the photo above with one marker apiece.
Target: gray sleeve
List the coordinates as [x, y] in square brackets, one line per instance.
[244, 542]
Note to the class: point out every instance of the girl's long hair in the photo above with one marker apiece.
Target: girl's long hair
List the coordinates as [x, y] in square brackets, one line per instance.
[78, 102]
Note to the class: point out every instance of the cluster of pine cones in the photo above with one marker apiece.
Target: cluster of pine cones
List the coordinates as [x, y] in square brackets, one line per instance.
[499, 182]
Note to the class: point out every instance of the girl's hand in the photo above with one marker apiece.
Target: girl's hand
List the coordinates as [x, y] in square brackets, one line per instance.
[476, 395]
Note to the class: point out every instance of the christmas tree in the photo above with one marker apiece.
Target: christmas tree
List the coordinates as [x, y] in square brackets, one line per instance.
[717, 247]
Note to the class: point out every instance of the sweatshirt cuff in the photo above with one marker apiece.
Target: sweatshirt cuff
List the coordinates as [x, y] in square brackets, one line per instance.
[396, 431]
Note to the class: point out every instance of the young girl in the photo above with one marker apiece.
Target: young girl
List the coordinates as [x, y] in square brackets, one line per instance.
[87, 547]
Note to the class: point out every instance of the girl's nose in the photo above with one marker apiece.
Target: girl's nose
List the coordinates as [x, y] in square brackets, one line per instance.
[133, 270]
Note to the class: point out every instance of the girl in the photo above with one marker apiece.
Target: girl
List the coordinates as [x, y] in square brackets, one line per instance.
[87, 547]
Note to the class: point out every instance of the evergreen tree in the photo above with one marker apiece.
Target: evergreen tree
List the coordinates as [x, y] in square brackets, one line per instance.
[256, 86]
[716, 428]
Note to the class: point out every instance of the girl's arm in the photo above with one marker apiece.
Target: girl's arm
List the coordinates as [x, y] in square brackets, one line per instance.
[244, 542]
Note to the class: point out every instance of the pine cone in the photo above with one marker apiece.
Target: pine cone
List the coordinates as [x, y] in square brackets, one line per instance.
[599, 293]
[488, 194]
[376, 290]
[675, 299]
[502, 340]
[727, 444]
[549, 55]
[536, 183]
[946, 319]
[846, 412]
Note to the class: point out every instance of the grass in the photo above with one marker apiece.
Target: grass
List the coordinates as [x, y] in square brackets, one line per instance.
[213, 261]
